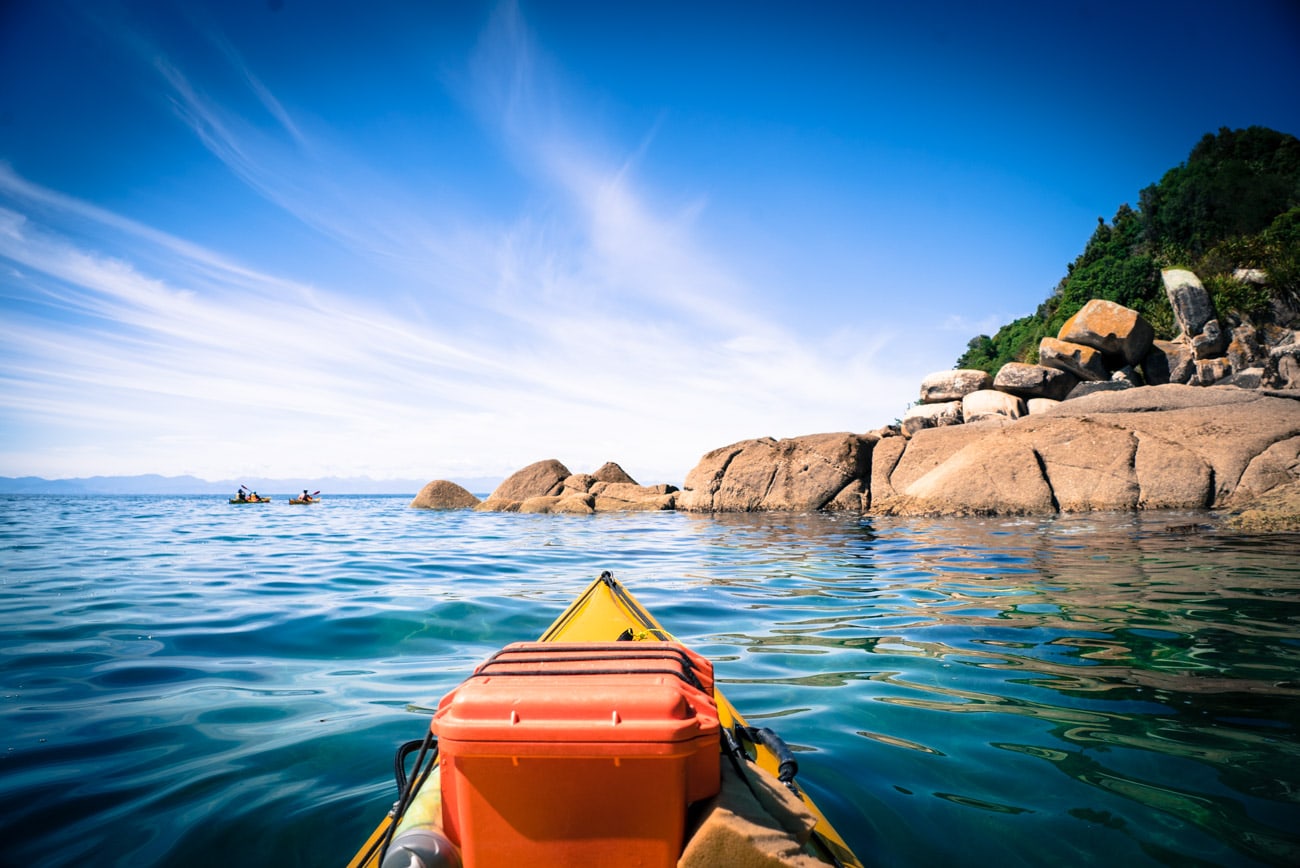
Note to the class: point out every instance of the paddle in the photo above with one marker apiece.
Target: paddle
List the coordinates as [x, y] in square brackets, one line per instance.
[252, 495]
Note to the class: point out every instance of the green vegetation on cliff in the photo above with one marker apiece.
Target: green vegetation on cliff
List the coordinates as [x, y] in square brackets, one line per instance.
[1234, 204]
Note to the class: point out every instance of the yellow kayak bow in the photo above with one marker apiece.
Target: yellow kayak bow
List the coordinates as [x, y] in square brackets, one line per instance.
[607, 612]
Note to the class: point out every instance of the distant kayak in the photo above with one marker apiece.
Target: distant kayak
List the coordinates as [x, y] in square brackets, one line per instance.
[250, 500]
[300, 500]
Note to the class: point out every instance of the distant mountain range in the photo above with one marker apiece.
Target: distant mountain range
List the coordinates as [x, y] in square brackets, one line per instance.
[152, 483]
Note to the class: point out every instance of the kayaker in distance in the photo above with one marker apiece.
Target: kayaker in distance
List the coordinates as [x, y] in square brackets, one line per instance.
[239, 495]
[306, 498]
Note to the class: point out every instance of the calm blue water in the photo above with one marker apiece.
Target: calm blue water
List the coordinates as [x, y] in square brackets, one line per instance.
[185, 682]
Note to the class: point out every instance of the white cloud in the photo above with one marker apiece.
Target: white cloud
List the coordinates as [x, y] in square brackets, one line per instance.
[589, 326]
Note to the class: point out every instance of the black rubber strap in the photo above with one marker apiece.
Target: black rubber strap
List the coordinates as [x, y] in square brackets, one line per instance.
[787, 765]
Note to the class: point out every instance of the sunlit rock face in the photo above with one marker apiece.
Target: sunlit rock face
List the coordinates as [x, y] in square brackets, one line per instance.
[1083, 430]
[442, 494]
[548, 487]
[1086, 363]
[1034, 381]
[943, 386]
[1115, 330]
[800, 473]
[1150, 448]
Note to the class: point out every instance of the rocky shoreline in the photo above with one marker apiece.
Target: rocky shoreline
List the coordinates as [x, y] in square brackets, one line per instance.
[1109, 419]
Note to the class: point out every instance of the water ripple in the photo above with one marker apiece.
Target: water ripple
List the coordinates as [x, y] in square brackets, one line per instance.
[189, 683]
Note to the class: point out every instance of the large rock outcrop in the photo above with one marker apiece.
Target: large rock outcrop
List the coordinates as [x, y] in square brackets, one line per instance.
[548, 487]
[801, 473]
[1108, 347]
[1160, 447]
[1095, 437]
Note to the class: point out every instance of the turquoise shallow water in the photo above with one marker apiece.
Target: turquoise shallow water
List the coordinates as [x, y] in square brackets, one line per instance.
[186, 682]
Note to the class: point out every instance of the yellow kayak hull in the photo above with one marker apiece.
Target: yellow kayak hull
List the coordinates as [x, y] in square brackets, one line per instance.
[606, 612]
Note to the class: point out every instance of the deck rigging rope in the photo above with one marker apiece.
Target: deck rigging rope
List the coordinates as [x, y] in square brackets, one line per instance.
[408, 788]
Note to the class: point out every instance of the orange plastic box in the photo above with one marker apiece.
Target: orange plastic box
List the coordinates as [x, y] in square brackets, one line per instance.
[577, 754]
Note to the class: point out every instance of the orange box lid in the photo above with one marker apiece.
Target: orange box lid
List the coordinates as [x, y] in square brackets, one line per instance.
[538, 696]
[614, 657]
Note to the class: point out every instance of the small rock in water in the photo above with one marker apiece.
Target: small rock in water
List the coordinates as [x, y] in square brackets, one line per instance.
[1184, 528]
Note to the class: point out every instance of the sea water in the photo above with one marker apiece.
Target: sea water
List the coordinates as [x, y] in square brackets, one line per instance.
[188, 682]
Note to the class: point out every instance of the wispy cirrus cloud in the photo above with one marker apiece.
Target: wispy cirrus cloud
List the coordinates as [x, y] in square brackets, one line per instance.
[590, 324]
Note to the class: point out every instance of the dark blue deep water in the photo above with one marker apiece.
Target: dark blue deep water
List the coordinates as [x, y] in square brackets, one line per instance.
[185, 682]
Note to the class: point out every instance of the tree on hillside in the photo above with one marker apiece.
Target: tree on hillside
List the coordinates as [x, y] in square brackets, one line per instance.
[1232, 185]
[1234, 203]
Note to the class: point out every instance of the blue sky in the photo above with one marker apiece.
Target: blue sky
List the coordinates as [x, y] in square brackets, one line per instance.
[448, 239]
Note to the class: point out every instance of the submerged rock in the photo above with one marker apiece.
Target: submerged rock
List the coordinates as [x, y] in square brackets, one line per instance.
[1279, 512]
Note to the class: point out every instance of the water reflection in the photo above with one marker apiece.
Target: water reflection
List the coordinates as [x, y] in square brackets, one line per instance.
[1154, 668]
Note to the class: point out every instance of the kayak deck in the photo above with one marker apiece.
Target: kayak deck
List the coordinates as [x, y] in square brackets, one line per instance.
[606, 612]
